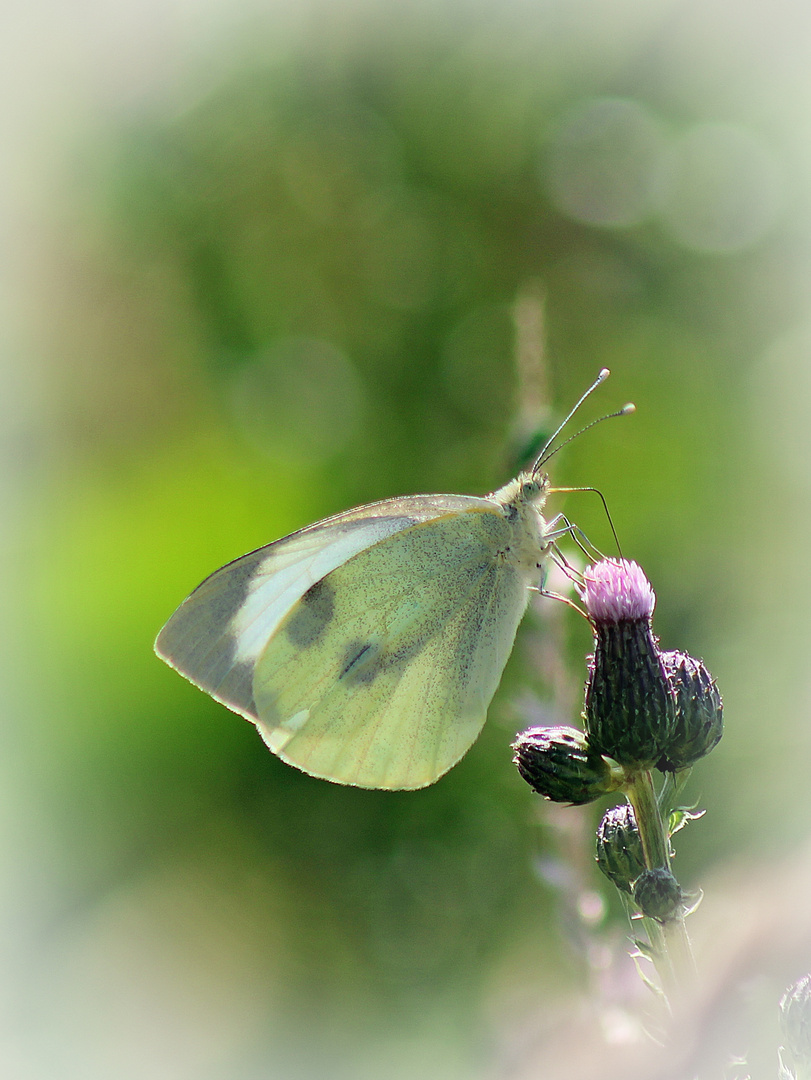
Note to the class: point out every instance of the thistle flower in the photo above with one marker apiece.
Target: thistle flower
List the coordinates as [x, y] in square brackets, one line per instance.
[619, 847]
[559, 764]
[630, 706]
[617, 590]
[699, 712]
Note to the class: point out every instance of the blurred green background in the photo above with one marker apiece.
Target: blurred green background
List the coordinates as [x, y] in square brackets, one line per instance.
[262, 263]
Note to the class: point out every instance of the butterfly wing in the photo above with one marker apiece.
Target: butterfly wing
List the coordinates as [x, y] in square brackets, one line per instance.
[381, 675]
[216, 635]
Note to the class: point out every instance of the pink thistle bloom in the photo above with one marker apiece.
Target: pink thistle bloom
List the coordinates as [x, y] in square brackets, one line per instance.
[616, 590]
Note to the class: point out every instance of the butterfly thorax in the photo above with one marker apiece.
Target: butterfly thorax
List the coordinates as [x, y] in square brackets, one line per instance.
[523, 500]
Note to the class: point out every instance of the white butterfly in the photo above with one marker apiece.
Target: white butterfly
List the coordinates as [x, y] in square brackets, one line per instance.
[367, 648]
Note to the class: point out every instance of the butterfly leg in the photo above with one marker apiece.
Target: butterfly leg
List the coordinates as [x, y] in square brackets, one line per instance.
[569, 528]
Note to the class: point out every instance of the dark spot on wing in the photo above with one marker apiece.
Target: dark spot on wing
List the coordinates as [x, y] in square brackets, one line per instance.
[363, 662]
[313, 615]
[223, 603]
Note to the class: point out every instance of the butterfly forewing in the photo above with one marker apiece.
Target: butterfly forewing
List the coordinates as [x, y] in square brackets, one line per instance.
[398, 694]
[217, 633]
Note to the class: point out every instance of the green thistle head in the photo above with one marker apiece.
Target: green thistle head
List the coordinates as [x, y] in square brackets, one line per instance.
[658, 895]
[559, 764]
[619, 847]
[699, 712]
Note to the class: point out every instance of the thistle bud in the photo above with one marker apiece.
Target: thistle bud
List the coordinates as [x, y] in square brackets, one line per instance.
[657, 894]
[619, 847]
[630, 706]
[559, 764]
[699, 712]
[795, 1027]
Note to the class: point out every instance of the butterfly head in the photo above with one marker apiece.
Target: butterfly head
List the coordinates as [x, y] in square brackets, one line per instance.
[532, 487]
[526, 494]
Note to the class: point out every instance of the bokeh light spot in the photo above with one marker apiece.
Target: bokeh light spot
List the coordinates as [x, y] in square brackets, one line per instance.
[603, 162]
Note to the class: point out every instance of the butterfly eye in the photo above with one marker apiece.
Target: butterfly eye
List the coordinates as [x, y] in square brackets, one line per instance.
[532, 488]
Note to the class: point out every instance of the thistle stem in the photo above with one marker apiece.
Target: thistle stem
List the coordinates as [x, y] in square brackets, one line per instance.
[672, 952]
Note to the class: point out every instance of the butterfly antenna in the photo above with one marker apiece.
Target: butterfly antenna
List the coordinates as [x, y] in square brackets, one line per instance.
[546, 453]
[542, 457]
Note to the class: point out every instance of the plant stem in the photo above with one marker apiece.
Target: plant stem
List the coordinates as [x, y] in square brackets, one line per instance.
[671, 946]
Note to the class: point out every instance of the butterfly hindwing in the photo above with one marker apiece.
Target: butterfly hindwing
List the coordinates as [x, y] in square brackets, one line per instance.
[380, 675]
